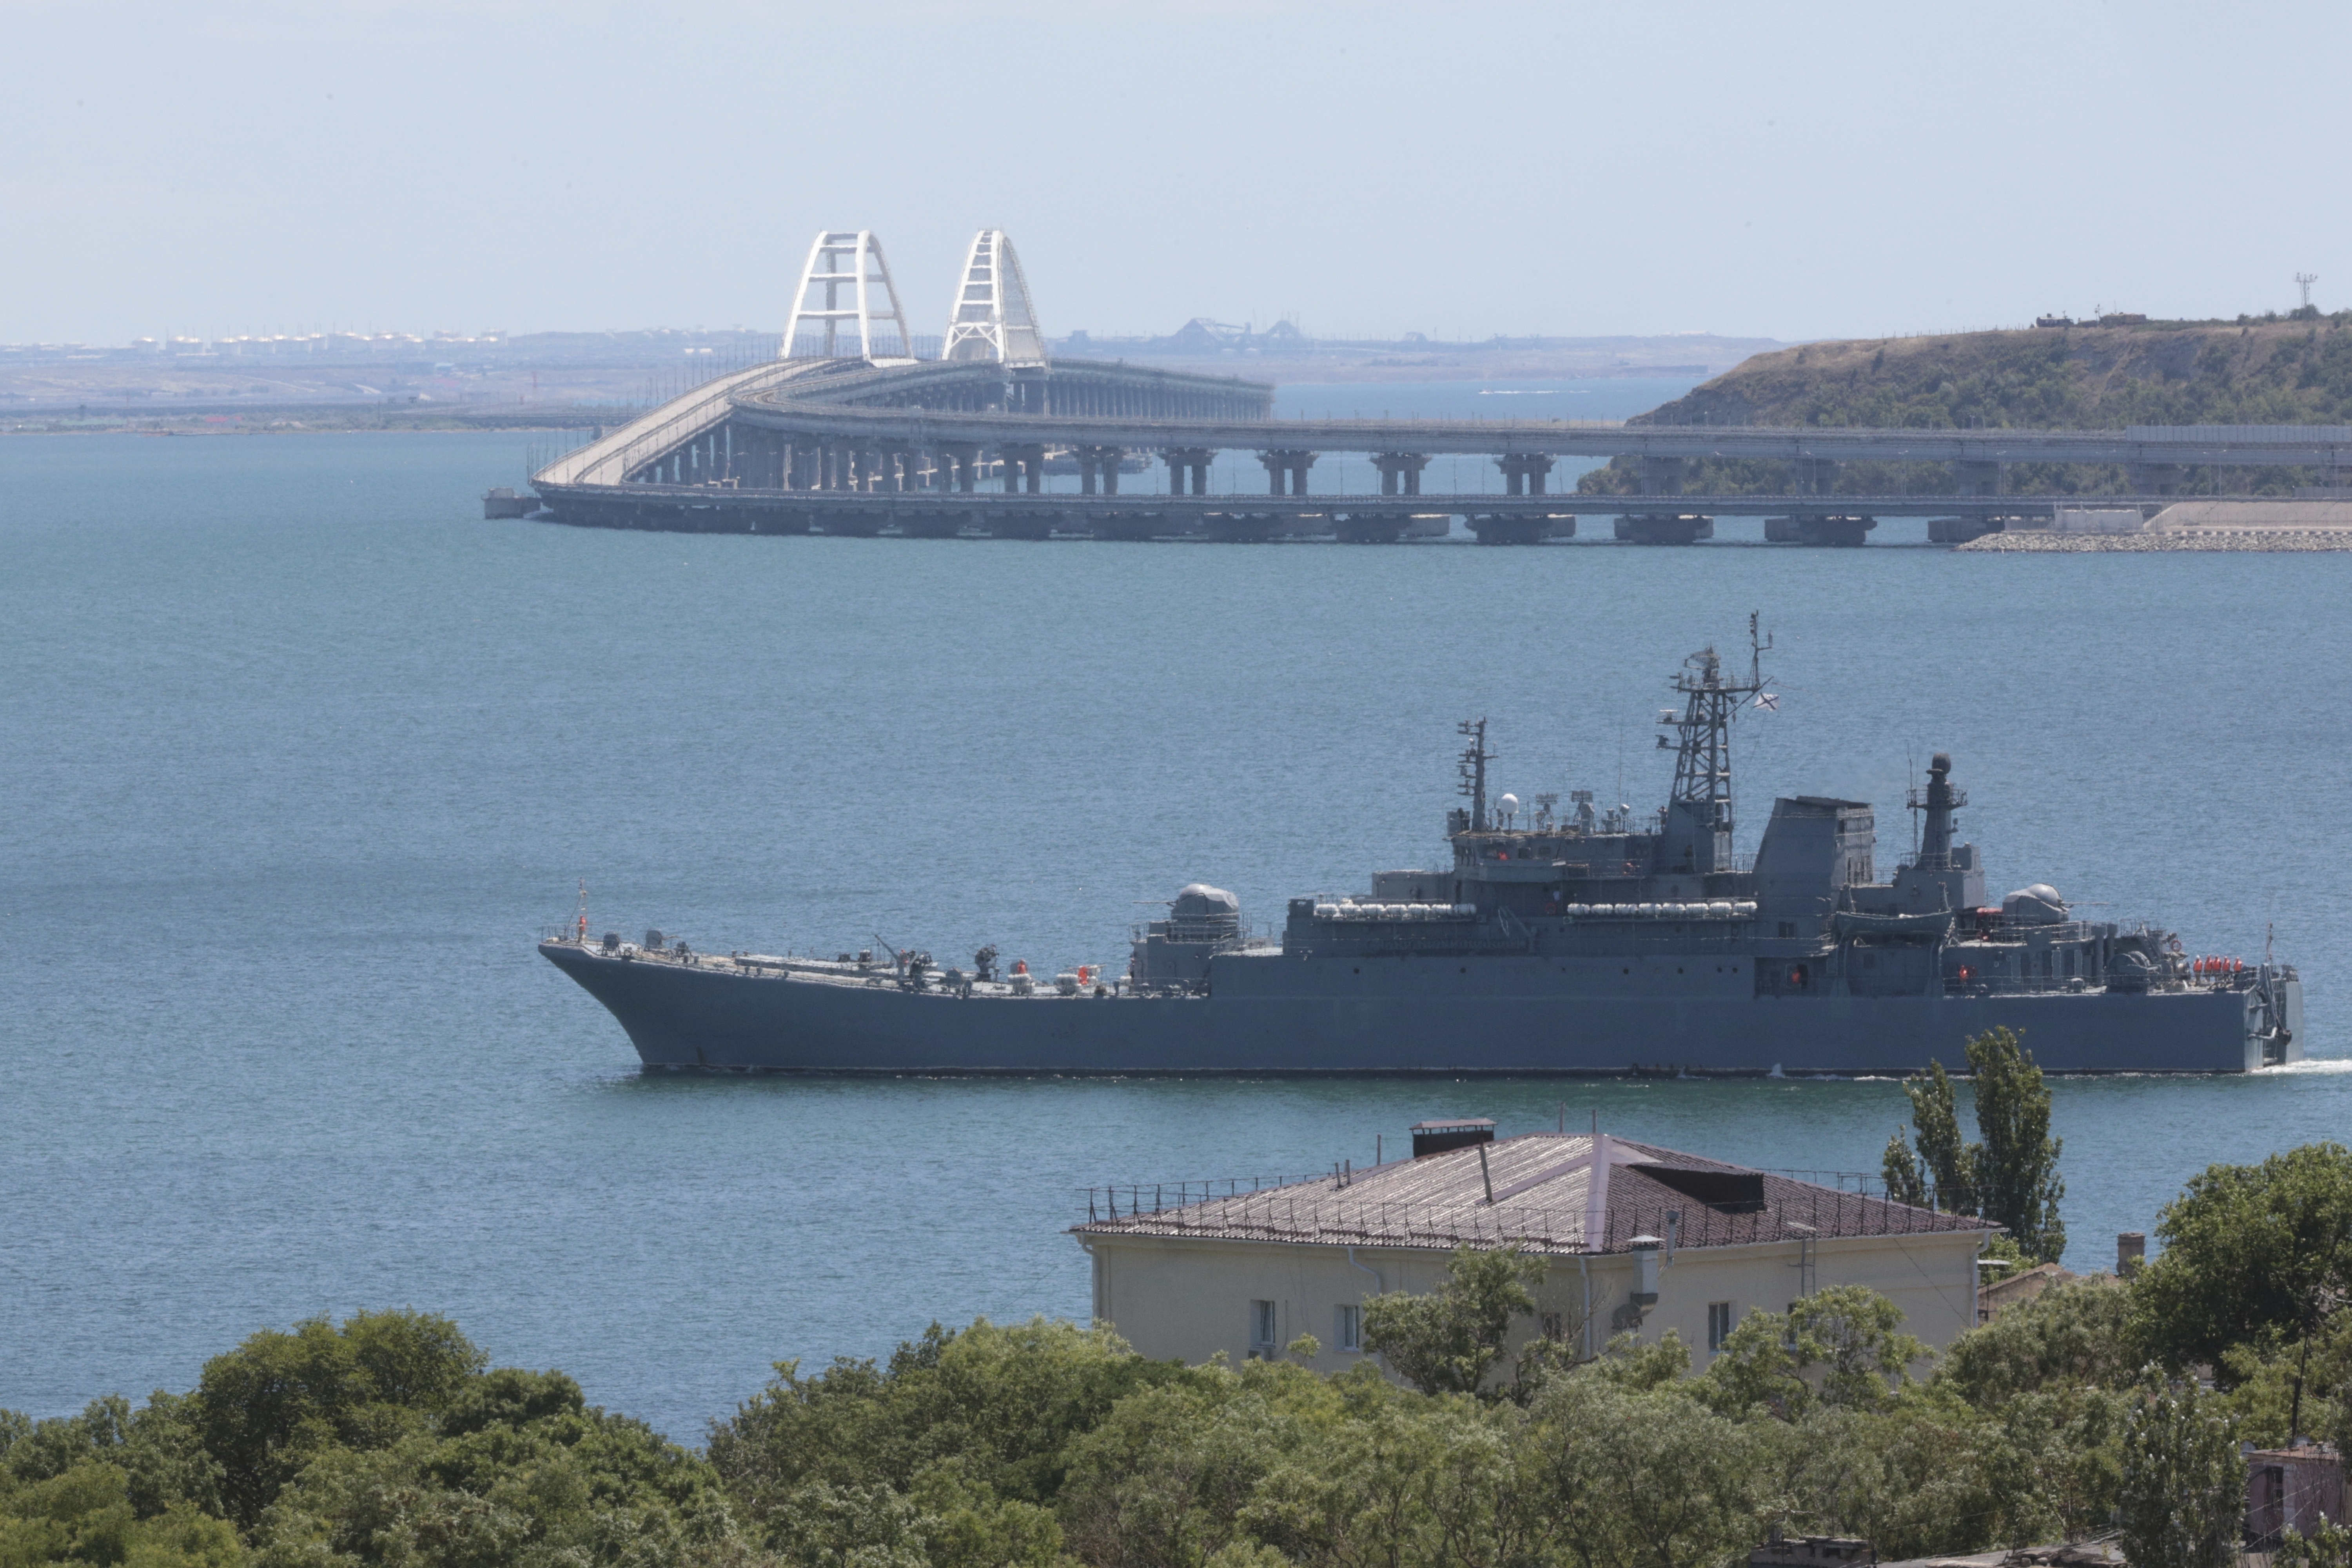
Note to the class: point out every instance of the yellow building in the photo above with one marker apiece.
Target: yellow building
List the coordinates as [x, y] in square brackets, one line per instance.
[1657, 1240]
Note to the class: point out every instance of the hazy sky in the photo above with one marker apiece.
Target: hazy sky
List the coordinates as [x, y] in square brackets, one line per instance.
[1788, 171]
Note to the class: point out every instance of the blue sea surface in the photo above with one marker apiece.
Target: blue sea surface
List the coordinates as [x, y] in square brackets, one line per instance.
[297, 755]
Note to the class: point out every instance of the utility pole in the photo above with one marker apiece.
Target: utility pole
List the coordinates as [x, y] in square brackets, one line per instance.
[2304, 280]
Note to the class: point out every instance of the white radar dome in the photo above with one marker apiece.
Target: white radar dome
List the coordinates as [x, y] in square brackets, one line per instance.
[2038, 904]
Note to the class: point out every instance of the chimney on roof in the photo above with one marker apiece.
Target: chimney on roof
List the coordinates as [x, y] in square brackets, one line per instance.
[1456, 1132]
[2131, 1252]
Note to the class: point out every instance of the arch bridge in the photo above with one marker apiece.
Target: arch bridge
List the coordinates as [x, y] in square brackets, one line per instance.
[851, 434]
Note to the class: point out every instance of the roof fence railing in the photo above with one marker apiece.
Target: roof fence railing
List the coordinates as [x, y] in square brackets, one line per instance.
[1317, 1209]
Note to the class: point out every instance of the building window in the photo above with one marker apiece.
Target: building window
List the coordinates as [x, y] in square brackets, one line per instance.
[1718, 1325]
[1551, 1326]
[1348, 1328]
[1264, 1326]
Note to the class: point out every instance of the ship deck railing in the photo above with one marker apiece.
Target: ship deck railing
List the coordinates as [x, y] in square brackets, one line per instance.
[2036, 985]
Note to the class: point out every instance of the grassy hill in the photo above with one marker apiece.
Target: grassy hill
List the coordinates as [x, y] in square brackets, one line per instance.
[2273, 371]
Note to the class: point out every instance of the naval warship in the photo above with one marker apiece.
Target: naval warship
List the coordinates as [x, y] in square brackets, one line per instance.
[1549, 942]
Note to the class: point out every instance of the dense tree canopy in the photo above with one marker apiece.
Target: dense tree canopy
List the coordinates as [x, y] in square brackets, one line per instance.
[1448, 1340]
[2243, 372]
[2254, 1255]
[384, 1442]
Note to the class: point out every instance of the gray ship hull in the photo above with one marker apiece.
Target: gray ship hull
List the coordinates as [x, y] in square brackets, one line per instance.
[1272, 1014]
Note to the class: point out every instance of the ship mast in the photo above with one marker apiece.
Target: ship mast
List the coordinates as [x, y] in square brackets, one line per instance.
[1699, 817]
[1938, 803]
[1475, 758]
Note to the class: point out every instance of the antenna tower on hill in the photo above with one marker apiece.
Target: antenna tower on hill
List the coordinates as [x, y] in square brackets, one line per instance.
[2304, 280]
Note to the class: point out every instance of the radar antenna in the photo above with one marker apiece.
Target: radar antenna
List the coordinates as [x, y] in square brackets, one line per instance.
[1475, 758]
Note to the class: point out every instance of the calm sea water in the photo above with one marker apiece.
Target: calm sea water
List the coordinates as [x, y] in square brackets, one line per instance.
[297, 755]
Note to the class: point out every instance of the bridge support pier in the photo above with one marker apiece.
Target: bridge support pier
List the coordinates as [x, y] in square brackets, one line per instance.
[1099, 463]
[1128, 527]
[931, 525]
[1370, 527]
[1024, 468]
[1020, 525]
[1813, 476]
[1400, 472]
[1661, 475]
[1291, 461]
[1182, 460]
[1518, 528]
[958, 465]
[1523, 472]
[1819, 528]
[1240, 527]
[1665, 528]
[1973, 478]
[2157, 479]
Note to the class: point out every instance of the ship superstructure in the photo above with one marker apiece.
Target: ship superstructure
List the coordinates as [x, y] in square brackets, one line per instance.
[1582, 941]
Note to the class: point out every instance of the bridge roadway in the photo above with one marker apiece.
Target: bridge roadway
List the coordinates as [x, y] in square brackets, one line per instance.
[847, 446]
[2329, 447]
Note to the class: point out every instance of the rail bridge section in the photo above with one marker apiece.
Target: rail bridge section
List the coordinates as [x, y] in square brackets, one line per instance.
[940, 449]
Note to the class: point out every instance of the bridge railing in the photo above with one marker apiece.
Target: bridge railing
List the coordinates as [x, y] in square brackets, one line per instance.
[612, 460]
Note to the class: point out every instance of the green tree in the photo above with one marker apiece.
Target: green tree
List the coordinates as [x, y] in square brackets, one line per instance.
[1905, 1182]
[2074, 1335]
[263, 1409]
[2329, 1546]
[1943, 1175]
[1006, 1400]
[157, 1447]
[526, 1486]
[2013, 1170]
[84, 1516]
[2252, 1254]
[2009, 1175]
[1448, 1340]
[2183, 1491]
[1636, 1479]
[1841, 1347]
[1165, 1479]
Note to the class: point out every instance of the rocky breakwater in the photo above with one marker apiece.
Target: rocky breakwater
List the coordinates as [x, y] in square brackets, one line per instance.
[2225, 525]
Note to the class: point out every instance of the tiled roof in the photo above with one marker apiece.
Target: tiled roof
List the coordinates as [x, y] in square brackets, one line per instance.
[1543, 1199]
